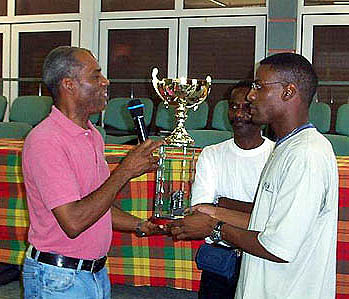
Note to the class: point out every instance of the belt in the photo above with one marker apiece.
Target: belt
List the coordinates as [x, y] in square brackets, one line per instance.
[68, 262]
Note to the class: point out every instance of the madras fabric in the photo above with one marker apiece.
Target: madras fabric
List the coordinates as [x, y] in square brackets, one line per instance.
[157, 260]
[343, 230]
[153, 261]
[14, 217]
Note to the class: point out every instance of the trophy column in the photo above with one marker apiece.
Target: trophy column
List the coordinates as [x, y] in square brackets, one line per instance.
[174, 179]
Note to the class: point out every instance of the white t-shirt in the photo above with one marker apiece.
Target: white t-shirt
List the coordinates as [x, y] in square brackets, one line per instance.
[295, 210]
[226, 170]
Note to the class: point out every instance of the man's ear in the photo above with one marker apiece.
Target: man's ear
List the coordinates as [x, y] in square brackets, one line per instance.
[289, 92]
[68, 85]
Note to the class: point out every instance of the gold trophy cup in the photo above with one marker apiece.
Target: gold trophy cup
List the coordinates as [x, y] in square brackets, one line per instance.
[184, 94]
[176, 171]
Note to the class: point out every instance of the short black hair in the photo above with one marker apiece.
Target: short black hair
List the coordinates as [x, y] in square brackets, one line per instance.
[60, 63]
[295, 68]
[242, 84]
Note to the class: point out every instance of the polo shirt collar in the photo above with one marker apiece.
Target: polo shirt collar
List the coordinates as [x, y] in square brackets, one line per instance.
[67, 124]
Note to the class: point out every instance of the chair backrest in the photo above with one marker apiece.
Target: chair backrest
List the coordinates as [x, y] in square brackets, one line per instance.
[220, 118]
[342, 121]
[3, 106]
[339, 143]
[15, 130]
[101, 131]
[117, 115]
[207, 137]
[320, 116]
[165, 118]
[94, 118]
[30, 109]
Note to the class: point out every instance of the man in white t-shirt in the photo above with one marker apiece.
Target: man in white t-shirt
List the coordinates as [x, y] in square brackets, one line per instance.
[289, 240]
[230, 170]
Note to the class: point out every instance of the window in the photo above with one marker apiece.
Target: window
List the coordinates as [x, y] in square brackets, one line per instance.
[127, 5]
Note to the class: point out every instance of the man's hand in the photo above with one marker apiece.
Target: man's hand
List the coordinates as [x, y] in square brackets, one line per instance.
[195, 226]
[207, 209]
[140, 159]
[150, 228]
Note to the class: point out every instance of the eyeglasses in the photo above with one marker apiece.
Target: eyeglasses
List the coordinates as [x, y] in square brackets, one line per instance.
[257, 85]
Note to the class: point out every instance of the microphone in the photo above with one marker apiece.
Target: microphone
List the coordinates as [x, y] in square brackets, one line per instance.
[135, 107]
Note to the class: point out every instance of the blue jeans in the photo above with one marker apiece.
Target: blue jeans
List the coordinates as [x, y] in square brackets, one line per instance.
[43, 281]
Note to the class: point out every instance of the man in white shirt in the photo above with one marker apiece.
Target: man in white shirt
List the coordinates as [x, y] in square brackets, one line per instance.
[289, 239]
[230, 170]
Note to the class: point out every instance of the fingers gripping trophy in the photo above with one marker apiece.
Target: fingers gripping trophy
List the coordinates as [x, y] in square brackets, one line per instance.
[178, 158]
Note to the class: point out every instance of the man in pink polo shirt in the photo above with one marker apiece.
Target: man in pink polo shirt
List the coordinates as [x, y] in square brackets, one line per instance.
[70, 190]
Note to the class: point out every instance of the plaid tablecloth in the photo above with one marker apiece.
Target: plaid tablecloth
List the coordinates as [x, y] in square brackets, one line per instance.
[343, 230]
[154, 261]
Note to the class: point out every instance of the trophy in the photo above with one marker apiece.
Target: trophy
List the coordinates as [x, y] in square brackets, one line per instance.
[184, 94]
[177, 163]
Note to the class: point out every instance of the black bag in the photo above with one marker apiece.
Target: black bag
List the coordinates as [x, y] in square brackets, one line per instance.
[218, 259]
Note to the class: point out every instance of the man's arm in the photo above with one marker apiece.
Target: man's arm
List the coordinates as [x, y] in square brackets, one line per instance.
[237, 205]
[77, 216]
[233, 217]
[126, 222]
[247, 240]
[199, 226]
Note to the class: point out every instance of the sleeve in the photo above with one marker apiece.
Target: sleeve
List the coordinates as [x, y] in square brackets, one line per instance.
[297, 204]
[203, 190]
[48, 171]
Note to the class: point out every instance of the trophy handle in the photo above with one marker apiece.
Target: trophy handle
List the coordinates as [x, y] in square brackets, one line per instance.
[195, 106]
[155, 82]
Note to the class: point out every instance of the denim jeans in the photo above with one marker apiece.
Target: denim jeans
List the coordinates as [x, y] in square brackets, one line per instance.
[43, 281]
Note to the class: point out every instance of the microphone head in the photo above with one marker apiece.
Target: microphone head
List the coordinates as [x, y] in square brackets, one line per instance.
[135, 107]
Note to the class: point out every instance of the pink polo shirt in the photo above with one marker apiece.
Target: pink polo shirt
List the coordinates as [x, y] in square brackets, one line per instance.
[63, 163]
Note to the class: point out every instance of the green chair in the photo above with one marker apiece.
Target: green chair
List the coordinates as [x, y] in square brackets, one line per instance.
[94, 118]
[126, 139]
[30, 109]
[220, 117]
[118, 122]
[340, 141]
[101, 131]
[165, 118]
[207, 137]
[14, 130]
[340, 144]
[3, 106]
[320, 116]
[342, 121]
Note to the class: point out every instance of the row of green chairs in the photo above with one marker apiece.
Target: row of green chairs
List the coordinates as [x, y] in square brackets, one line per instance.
[28, 111]
[340, 140]
[120, 128]
[24, 113]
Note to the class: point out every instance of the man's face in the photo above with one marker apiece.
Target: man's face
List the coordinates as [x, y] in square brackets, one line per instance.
[92, 85]
[239, 108]
[265, 96]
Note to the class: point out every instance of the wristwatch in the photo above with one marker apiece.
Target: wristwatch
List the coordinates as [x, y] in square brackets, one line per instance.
[216, 234]
[139, 232]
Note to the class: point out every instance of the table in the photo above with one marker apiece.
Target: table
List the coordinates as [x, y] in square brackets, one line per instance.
[153, 261]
